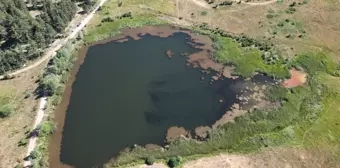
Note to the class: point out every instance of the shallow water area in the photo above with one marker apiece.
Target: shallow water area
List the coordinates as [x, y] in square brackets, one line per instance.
[131, 91]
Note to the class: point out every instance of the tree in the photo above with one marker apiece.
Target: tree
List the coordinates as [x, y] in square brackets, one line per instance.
[49, 84]
[150, 160]
[86, 8]
[46, 129]
[34, 3]
[3, 33]
[18, 28]
[80, 35]
[174, 161]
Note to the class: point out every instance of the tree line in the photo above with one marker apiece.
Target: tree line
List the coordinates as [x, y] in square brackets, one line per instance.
[23, 36]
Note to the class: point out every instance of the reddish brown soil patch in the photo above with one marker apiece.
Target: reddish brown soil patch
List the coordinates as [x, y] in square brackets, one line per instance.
[297, 78]
[203, 60]
[174, 133]
[169, 53]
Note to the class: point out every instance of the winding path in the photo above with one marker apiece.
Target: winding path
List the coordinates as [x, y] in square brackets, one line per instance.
[201, 4]
[49, 54]
[260, 3]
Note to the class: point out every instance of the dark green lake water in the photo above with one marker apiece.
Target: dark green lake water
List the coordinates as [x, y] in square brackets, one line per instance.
[131, 93]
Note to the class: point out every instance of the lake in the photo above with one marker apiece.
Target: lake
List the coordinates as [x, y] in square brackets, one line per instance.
[131, 92]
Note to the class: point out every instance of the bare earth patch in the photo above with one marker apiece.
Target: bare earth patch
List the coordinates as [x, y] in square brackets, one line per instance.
[297, 79]
[174, 133]
[13, 128]
[268, 158]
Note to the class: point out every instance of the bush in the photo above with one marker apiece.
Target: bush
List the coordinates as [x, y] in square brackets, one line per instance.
[292, 4]
[46, 129]
[150, 160]
[49, 84]
[34, 154]
[174, 161]
[270, 16]
[27, 94]
[8, 76]
[6, 110]
[291, 10]
[204, 13]
[22, 142]
[56, 100]
[107, 19]
[18, 166]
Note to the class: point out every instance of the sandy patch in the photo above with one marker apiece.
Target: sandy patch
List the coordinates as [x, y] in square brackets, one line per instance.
[174, 133]
[227, 72]
[202, 132]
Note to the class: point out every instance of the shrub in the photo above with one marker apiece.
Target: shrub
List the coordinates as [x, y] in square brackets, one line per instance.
[8, 76]
[34, 154]
[204, 13]
[291, 10]
[270, 16]
[46, 129]
[56, 99]
[49, 84]
[150, 160]
[174, 161]
[107, 19]
[22, 142]
[27, 94]
[292, 4]
[18, 166]
[6, 110]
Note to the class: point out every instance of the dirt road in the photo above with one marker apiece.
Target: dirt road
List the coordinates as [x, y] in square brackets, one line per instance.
[260, 3]
[201, 4]
[51, 52]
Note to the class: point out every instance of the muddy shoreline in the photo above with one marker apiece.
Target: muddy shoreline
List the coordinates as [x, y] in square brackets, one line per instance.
[200, 59]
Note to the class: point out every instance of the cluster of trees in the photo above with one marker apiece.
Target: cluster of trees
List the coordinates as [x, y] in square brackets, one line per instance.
[22, 36]
[56, 75]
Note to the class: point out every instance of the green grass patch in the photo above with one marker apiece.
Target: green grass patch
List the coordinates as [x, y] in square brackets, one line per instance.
[246, 60]
[109, 29]
[272, 14]
[289, 28]
[204, 13]
[7, 103]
